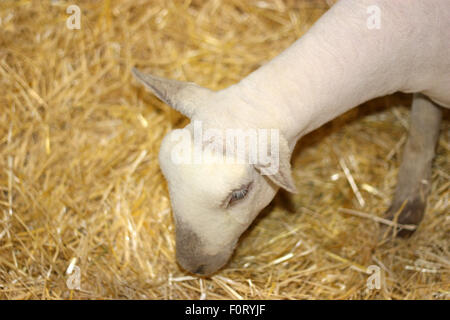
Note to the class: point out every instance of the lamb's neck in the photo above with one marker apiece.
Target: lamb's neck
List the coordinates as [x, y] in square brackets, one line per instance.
[339, 64]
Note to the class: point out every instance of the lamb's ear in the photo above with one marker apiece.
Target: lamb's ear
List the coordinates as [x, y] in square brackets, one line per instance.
[279, 169]
[182, 96]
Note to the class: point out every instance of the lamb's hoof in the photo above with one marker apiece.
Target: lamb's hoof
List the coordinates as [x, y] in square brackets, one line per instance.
[411, 215]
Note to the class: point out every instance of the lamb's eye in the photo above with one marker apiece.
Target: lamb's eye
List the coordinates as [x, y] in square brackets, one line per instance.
[239, 194]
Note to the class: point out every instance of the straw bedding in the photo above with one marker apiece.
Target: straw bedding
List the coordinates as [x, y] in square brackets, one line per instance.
[80, 185]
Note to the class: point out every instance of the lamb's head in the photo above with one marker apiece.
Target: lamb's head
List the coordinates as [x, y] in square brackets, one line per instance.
[215, 194]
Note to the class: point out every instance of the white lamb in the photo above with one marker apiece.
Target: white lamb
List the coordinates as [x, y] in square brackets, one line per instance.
[341, 62]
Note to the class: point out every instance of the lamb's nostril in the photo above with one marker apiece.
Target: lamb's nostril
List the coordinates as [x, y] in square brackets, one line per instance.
[200, 269]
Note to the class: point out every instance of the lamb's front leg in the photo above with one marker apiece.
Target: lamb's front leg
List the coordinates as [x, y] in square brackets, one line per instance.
[414, 177]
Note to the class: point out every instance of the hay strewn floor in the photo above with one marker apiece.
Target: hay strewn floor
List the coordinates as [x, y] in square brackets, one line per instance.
[79, 176]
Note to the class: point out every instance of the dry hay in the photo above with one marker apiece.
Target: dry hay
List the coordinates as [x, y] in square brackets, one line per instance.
[79, 176]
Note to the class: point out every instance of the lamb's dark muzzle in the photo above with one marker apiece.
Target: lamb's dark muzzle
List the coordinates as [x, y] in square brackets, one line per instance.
[190, 256]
